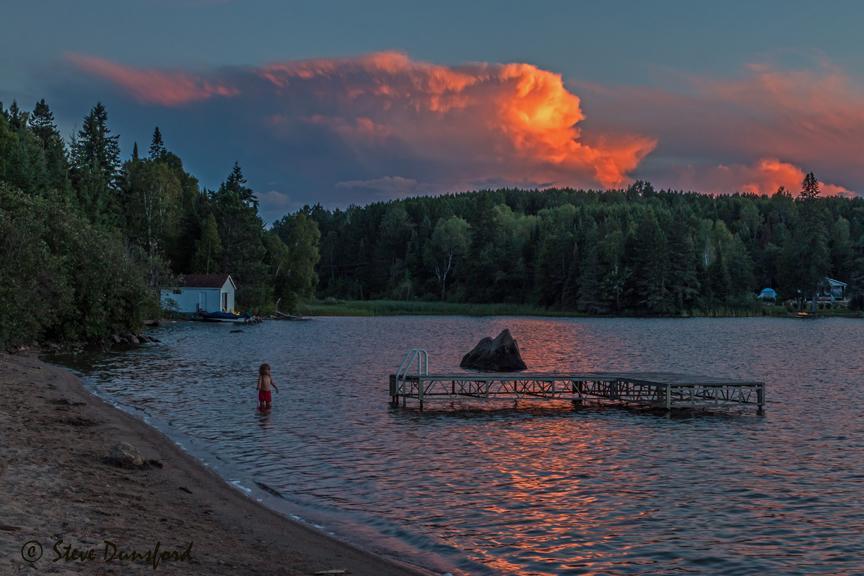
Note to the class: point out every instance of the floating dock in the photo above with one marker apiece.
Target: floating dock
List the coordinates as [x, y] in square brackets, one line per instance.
[666, 390]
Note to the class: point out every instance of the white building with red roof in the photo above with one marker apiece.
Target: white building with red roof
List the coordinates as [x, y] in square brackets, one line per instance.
[200, 293]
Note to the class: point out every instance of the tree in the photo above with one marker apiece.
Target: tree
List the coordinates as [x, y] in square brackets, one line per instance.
[95, 165]
[557, 256]
[450, 241]
[240, 230]
[806, 259]
[157, 146]
[42, 123]
[292, 253]
[810, 187]
[782, 192]
[17, 117]
[236, 184]
[208, 248]
[650, 266]
[393, 246]
[151, 208]
[589, 273]
[683, 276]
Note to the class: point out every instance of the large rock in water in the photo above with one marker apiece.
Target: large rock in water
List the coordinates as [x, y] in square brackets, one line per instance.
[498, 355]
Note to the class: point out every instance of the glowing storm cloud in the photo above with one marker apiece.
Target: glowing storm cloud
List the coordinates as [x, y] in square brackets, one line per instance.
[474, 123]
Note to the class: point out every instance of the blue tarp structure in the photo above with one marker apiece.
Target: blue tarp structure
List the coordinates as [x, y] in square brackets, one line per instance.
[768, 294]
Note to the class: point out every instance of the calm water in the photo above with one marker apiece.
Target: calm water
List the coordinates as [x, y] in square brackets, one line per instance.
[530, 491]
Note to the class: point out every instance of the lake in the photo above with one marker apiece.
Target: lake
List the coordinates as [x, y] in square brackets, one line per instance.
[528, 491]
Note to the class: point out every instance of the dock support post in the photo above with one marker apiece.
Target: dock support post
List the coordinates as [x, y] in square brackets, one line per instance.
[394, 396]
[576, 388]
[669, 397]
[760, 400]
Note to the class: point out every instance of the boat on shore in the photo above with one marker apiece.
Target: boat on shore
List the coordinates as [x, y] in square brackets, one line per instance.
[225, 317]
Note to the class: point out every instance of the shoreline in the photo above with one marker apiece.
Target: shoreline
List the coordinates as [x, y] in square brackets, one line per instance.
[376, 308]
[55, 485]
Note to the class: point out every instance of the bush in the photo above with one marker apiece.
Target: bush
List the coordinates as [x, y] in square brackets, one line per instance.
[64, 279]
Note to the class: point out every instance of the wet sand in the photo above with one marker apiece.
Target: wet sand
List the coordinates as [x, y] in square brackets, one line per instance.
[56, 485]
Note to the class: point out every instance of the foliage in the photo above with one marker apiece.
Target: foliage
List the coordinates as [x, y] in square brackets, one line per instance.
[634, 251]
[292, 253]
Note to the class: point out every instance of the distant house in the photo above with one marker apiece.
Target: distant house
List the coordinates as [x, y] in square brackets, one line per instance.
[204, 292]
[831, 290]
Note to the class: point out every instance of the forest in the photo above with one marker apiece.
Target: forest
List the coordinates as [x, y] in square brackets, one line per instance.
[632, 251]
[87, 240]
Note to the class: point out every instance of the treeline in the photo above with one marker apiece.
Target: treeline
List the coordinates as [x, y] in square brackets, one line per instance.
[628, 251]
[86, 239]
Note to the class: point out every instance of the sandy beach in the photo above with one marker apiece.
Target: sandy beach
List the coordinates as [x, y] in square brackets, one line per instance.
[61, 499]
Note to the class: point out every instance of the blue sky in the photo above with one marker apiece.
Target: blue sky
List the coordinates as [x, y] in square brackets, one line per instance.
[716, 97]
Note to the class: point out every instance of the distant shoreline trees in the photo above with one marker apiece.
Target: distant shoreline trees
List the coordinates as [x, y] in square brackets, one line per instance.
[633, 251]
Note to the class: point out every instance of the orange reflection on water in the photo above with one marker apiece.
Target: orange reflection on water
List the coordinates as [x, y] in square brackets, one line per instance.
[542, 485]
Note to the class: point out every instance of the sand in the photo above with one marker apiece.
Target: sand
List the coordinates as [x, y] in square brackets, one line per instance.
[55, 485]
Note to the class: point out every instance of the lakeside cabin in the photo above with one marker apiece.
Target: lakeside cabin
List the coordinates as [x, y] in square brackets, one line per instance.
[200, 293]
[831, 290]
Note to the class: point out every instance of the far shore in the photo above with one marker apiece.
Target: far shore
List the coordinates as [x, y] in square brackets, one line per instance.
[332, 307]
[63, 506]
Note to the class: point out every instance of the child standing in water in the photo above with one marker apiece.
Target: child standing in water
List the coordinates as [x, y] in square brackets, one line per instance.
[265, 382]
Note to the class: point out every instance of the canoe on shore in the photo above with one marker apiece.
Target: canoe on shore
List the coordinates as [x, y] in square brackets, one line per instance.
[226, 317]
[282, 316]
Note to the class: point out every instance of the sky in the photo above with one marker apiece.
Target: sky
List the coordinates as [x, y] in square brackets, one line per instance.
[348, 103]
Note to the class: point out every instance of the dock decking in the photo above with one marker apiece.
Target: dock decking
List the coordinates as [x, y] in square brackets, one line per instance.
[653, 389]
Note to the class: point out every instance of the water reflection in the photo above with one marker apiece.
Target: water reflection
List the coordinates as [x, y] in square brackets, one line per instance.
[535, 491]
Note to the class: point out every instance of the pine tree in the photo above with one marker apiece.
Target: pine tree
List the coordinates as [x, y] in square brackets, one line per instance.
[718, 277]
[236, 184]
[650, 289]
[683, 274]
[810, 187]
[208, 249]
[42, 123]
[95, 165]
[17, 117]
[157, 146]
[589, 275]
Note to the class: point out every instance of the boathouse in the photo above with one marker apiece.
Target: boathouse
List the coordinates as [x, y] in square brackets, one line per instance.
[832, 290]
[200, 292]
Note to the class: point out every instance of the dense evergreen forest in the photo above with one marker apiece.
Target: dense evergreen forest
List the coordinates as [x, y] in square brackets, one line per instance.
[637, 250]
[87, 240]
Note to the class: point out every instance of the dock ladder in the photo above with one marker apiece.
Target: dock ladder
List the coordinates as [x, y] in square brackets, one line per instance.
[416, 357]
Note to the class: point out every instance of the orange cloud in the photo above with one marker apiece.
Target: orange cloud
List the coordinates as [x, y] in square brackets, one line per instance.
[762, 177]
[152, 86]
[812, 119]
[513, 121]
[472, 123]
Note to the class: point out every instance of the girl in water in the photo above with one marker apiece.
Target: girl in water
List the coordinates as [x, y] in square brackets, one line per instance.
[265, 382]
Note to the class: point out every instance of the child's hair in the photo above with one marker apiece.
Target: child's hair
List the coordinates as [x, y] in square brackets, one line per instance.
[264, 369]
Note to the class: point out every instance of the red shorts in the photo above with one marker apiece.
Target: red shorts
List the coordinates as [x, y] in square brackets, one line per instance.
[265, 396]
